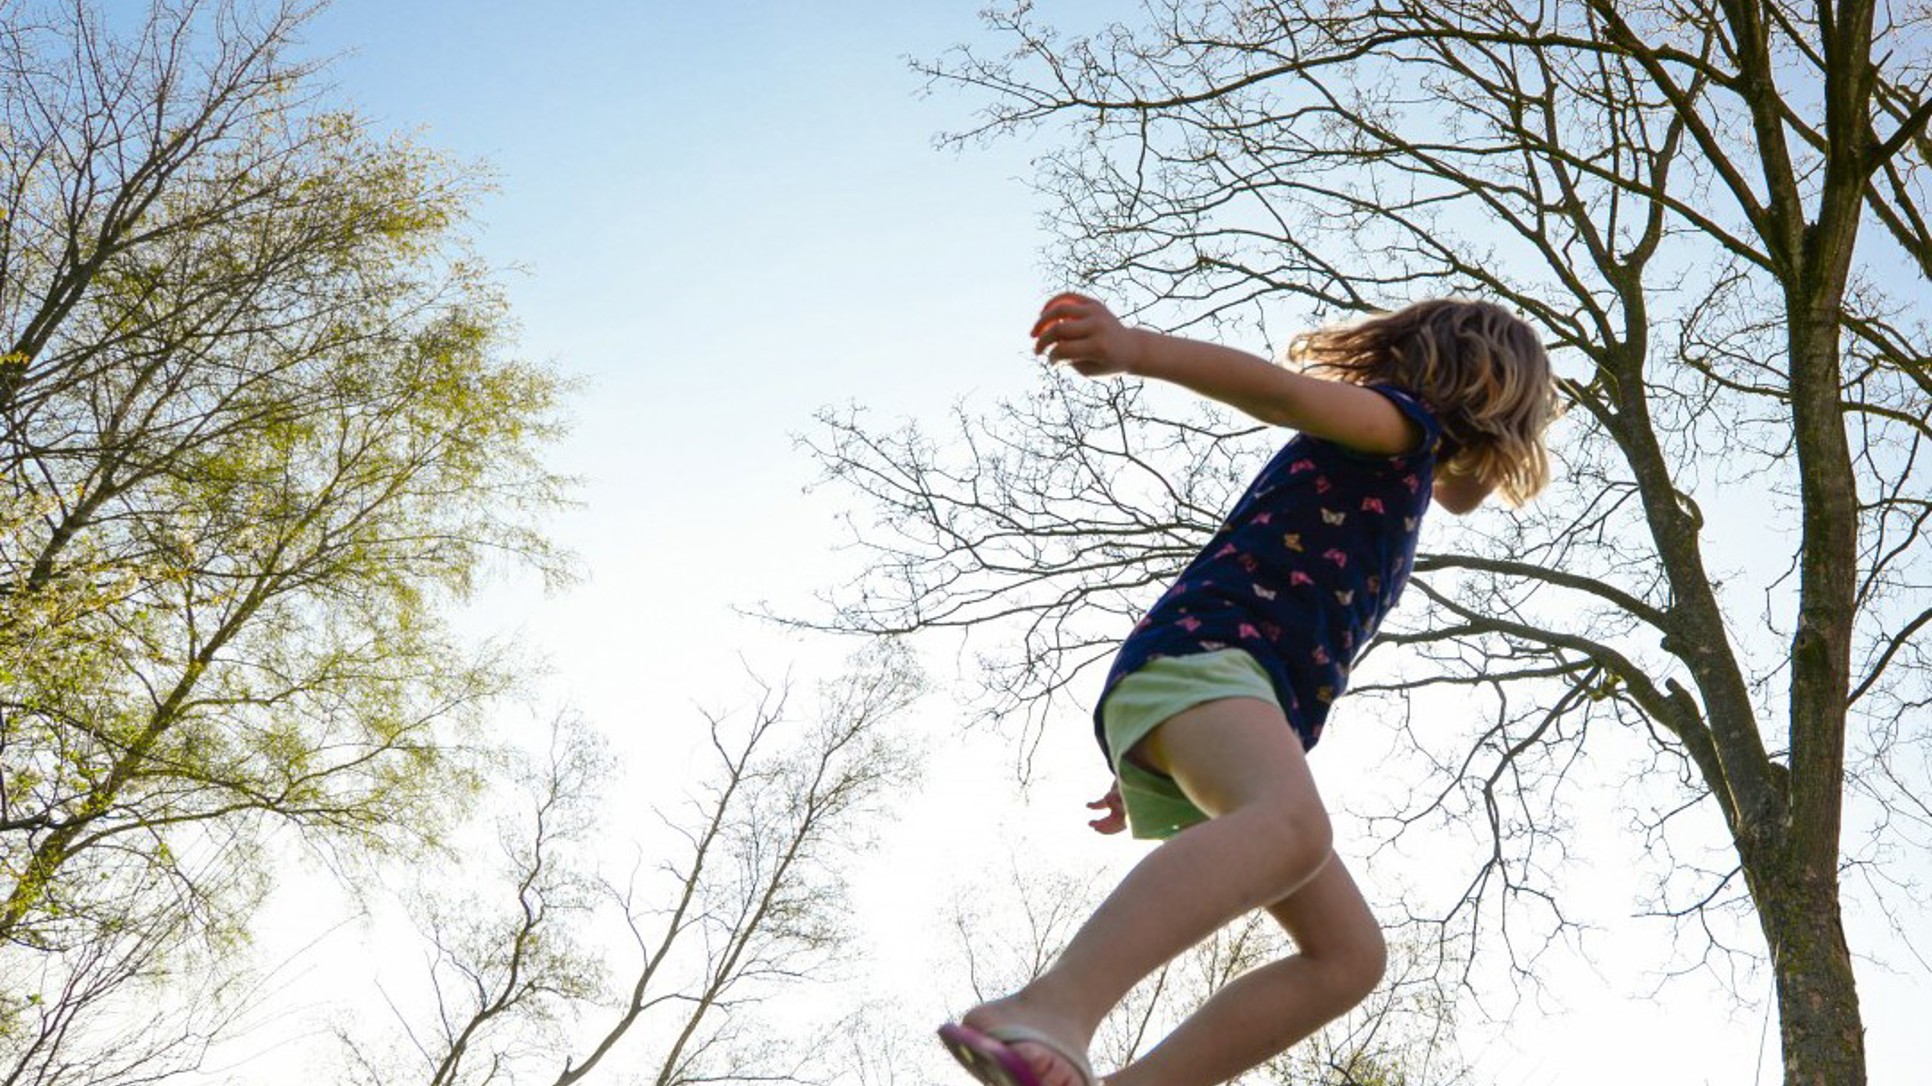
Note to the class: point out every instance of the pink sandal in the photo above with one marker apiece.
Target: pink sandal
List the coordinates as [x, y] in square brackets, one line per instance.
[989, 1057]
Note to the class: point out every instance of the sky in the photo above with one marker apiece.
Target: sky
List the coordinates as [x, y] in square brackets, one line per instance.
[718, 217]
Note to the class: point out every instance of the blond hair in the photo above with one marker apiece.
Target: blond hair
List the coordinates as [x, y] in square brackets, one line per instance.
[1480, 367]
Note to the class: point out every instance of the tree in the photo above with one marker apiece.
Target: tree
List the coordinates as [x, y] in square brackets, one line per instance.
[260, 428]
[1715, 210]
[505, 961]
[69, 1020]
[746, 905]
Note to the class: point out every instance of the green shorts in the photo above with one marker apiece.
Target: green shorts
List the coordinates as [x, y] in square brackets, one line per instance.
[1143, 700]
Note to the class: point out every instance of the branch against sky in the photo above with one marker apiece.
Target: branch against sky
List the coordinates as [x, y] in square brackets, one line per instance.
[505, 960]
[1052, 520]
[1731, 568]
[742, 905]
[66, 1025]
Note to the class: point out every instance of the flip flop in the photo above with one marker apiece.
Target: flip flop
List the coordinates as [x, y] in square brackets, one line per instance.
[989, 1056]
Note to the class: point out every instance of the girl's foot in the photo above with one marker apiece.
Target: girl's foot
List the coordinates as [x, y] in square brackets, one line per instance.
[1054, 1050]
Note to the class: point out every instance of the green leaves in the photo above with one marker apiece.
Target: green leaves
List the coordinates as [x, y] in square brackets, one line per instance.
[262, 423]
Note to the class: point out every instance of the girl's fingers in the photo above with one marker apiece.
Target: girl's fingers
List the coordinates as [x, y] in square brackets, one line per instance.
[1065, 333]
[1061, 307]
[1060, 333]
[1054, 315]
[1082, 355]
[1070, 351]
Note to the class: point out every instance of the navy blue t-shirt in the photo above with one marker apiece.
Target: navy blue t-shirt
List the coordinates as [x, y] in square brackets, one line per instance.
[1312, 557]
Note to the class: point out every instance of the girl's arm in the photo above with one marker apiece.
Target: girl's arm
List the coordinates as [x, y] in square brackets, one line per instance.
[1082, 333]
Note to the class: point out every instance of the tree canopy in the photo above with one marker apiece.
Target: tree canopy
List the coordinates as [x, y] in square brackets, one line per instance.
[263, 423]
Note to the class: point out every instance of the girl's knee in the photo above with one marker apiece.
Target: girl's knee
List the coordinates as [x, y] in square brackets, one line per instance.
[1297, 839]
[1356, 960]
[1368, 962]
[1349, 949]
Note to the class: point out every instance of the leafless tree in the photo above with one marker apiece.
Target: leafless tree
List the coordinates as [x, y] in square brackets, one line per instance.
[748, 907]
[505, 957]
[1715, 211]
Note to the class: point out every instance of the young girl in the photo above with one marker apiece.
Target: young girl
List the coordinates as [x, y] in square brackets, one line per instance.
[1220, 690]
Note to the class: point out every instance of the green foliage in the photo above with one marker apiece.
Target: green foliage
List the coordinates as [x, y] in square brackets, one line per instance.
[261, 426]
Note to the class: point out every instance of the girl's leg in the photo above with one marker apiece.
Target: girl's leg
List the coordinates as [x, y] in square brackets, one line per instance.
[1259, 1014]
[1239, 761]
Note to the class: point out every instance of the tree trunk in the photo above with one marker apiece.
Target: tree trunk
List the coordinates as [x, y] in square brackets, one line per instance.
[1819, 1021]
[1798, 905]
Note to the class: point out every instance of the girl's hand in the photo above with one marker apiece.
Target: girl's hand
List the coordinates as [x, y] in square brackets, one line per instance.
[1077, 331]
[1115, 819]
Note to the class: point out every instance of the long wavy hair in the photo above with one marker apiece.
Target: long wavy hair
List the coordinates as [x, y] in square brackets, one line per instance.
[1479, 366]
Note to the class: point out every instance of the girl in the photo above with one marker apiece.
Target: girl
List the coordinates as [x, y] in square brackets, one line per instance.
[1220, 690]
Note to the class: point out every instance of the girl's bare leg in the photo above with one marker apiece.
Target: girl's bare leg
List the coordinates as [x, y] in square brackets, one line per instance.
[1268, 836]
[1259, 1014]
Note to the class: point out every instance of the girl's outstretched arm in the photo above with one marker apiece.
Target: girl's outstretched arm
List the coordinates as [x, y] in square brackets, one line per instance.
[1082, 333]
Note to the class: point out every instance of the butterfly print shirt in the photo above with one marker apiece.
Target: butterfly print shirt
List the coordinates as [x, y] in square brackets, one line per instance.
[1300, 575]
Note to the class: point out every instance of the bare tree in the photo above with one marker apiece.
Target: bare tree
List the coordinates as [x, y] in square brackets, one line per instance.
[1715, 210]
[257, 429]
[749, 907]
[505, 958]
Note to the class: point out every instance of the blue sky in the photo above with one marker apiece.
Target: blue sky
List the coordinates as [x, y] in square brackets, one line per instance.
[724, 215]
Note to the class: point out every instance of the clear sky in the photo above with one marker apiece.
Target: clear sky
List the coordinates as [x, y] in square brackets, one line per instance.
[727, 214]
